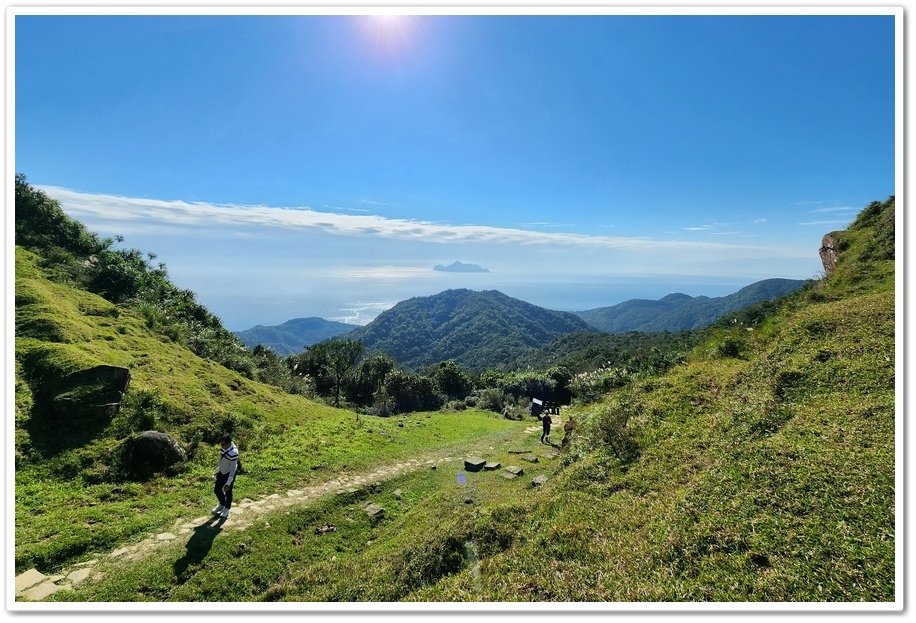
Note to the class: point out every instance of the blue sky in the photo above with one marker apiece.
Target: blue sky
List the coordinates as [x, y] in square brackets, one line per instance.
[295, 166]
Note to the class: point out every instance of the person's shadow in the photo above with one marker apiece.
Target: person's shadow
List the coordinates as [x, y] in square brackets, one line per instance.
[198, 546]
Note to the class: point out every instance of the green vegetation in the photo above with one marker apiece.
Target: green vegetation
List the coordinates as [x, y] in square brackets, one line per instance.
[294, 335]
[428, 532]
[754, 462]
[69, 254]
[478, 330]
[680, 312]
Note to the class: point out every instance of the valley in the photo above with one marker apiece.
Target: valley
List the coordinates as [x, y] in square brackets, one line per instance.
[752, 460]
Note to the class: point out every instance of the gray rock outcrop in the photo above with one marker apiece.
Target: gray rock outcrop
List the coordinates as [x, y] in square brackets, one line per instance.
[95, 392]
[829, 251]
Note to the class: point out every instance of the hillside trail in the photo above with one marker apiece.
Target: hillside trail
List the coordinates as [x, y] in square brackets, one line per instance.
[33, 585]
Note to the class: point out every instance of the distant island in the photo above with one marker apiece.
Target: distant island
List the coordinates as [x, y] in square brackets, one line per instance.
[458, 267]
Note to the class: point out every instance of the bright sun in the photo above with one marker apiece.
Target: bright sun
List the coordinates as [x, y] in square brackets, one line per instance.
[387, 30]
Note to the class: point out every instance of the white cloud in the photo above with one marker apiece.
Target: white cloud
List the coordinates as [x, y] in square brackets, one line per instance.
[340, 209]
[698, 228]
[836, 209]
[546, 224]
[195, 215]
[760, 220]
[846, 222]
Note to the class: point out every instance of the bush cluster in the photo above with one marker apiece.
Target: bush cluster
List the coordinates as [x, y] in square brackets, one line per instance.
[129, 277]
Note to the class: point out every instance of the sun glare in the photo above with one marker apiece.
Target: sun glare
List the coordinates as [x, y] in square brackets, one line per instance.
[387, 31]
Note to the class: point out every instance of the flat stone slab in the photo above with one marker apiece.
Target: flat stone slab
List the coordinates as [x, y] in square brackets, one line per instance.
[86, 563]
[474, 464]
[491, 466]
[79, 575]
[45, 589]
[29, 578]
[531, 458]
[513, 472]
[538, 480]
[119, 552]
[375, 512]
[165, 536]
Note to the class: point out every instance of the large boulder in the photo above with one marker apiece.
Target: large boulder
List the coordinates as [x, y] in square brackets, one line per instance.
[94, 392]
[151, 452]
[829, 251]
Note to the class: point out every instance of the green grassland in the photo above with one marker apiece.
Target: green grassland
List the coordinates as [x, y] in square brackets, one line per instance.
[761, 469]
[66, 508]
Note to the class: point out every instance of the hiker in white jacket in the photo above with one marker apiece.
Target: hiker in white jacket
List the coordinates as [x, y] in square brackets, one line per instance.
[225, 476]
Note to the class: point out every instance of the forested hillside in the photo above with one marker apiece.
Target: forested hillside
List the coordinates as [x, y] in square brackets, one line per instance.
[294, 335]
[680, 312]
[479, 330]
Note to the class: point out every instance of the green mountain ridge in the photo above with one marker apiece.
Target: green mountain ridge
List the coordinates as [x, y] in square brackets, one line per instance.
[760, 468]
[681, 312]
[480, 330]
[294, 335]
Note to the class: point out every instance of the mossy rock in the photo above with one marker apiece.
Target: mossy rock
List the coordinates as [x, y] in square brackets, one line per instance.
[148, 453]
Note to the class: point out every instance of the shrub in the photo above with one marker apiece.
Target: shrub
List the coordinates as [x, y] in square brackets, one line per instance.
[139, 412]
[412, 392]
[589, 387]
[452, 380]
[491, 399]
[383, 405]
[730, 347]
[41, 223]
[609, 428]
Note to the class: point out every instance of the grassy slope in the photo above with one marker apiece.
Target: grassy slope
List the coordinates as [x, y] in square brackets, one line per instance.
[286, 440]
[763, 480]
[765, 477]
[282, 558]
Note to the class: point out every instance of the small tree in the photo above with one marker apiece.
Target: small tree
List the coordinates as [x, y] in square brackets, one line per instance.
[337, 357]
[452, 380]
[367, 378]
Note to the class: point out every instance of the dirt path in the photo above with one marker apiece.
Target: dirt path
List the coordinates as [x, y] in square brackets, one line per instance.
[35, 586]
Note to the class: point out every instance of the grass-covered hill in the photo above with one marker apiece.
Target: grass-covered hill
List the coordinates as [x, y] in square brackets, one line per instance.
[75, 492]
[479, 330]
[293, 336]
[681, 312]
[761, 468]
